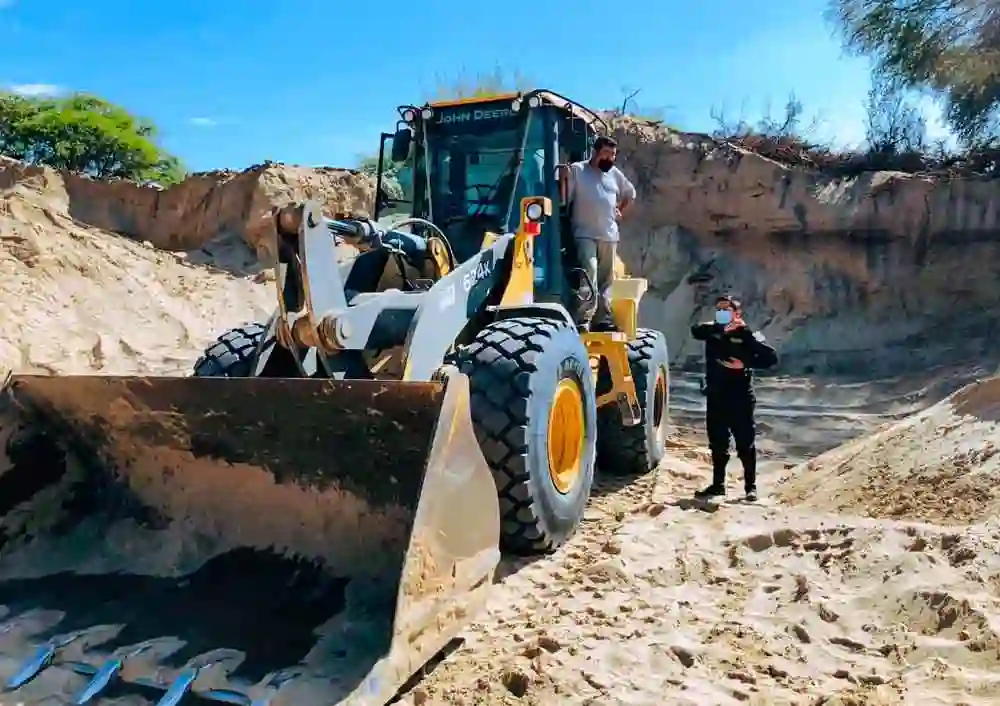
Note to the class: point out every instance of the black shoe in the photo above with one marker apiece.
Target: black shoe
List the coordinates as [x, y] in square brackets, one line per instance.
[604, 327]
[752, 495]
[712, 491]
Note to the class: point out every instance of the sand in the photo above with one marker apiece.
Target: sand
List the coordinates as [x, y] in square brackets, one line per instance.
[809, 597]
[866, 575]
[77, 299]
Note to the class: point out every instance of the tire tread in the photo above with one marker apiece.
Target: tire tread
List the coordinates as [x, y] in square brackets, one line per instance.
[232, 353]
[621, 449]
[499, 363]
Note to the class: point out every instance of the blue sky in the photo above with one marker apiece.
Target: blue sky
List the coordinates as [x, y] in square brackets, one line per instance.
[234, 82]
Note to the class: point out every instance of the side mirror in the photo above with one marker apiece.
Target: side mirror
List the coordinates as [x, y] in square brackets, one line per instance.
[401, 145]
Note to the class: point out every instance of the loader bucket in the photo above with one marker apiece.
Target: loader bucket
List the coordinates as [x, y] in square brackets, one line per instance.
[246, 541]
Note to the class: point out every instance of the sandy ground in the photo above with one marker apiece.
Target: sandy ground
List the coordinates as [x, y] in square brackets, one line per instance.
[867, 575]
[835, 589]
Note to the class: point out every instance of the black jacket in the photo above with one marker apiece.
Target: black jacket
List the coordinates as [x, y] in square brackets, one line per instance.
[744, 344]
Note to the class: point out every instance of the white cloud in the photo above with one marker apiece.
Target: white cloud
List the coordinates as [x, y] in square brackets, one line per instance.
[34, 90]
[203, 122]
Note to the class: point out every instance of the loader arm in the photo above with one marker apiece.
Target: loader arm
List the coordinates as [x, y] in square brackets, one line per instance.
[426, 324]
[447, 309]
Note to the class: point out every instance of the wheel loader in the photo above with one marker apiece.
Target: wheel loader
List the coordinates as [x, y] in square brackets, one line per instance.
[320, 508]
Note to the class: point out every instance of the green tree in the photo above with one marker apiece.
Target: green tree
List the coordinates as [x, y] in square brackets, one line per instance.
[86, 134]
[948, 47]
[893, 123]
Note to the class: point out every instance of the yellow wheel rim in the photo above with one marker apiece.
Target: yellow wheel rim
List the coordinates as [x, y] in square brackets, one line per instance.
[566, 432]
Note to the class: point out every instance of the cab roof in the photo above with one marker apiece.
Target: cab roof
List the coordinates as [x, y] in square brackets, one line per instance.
[547, 97]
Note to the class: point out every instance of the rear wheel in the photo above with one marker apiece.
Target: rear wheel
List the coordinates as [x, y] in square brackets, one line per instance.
[534, 412]
[232, 354]
[623, 450]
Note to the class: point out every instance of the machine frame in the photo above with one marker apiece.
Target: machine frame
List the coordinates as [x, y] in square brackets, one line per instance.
[319, 320]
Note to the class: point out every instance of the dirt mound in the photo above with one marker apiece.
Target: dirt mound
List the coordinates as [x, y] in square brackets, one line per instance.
[222, 218]
[79, 297]
[941, 465]
[879, 273]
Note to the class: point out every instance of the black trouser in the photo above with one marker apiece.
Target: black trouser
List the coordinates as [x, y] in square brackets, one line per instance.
[732, 413]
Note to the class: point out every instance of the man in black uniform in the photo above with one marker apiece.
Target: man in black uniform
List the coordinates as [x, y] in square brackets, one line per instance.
[732, 352]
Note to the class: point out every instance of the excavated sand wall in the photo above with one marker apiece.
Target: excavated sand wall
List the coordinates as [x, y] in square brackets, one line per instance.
[77, 296]
[873, 274]
[204, 209]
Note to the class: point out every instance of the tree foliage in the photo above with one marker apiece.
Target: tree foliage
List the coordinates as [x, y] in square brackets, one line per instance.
[788, 125]
[86, 134]
[894, 124]
[484, 84]
[949, 47]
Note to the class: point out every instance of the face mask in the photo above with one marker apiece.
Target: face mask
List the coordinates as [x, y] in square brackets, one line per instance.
[723, 316]
[605, 165]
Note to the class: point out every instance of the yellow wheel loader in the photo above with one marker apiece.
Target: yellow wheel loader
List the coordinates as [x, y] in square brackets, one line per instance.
[321, 507]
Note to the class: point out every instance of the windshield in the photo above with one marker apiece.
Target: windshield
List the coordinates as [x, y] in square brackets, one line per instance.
[474, 177]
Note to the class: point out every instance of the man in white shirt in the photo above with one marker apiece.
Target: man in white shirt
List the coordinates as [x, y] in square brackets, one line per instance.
[600, 195]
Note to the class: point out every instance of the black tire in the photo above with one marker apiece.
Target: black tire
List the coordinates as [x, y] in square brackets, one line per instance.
[625, 451]
[515, 367]
[232, 354]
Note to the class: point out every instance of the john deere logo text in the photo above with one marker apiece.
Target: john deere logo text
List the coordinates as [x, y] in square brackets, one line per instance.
[466, 116]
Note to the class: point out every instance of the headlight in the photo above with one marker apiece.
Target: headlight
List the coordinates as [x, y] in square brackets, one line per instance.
[534, 212]
[515, 105]
[409, 115]
[427, 113]
[534, 101]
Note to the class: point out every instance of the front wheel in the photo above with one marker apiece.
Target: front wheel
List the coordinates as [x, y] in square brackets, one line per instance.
[534, 411]
[622, 450]
[232, 354]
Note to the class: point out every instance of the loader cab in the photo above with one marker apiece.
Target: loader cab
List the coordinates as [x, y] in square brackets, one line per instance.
[465, 165]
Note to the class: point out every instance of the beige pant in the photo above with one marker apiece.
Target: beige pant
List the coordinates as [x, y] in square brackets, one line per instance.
[597, 258]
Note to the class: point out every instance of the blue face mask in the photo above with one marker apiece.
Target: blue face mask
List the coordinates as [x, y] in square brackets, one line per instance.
[723, 316]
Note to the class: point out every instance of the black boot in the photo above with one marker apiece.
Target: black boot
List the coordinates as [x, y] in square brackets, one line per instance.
[712, 491]
[718, 487]
[748, 457]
